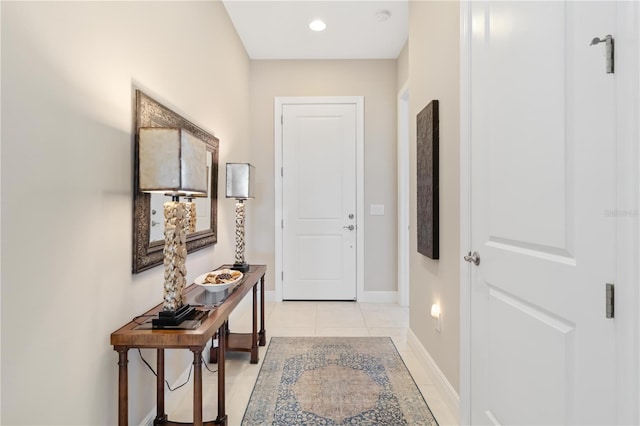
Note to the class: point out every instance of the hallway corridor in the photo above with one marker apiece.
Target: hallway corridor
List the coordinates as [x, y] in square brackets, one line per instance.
[312, 319]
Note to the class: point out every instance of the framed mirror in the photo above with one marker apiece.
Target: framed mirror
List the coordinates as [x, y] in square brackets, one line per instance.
[148, 213]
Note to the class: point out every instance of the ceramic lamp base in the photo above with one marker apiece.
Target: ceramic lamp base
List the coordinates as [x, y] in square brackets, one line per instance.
[239, 257]
[175, 255]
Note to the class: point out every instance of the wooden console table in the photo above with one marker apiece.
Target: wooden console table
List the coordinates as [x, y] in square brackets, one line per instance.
[128, 337]
[243, 342]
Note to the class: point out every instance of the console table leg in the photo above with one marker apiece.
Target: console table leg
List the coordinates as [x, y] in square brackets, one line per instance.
[197, 387]
[254, 329]
[263, 334]
[123, 392]
[222, 347]
[161, 417]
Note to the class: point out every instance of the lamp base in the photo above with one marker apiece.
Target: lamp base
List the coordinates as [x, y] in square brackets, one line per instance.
[242, 267]
[171, 318]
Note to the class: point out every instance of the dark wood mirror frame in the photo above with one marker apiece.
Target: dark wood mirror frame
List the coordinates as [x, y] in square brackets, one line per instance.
[146, 253]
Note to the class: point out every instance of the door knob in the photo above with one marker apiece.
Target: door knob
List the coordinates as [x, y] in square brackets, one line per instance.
[473, 258]
[350, 227]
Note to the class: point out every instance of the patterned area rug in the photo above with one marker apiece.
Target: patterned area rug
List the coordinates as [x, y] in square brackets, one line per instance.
[335, 381]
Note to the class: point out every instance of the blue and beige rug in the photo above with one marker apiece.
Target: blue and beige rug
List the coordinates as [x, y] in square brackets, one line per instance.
[335, 381]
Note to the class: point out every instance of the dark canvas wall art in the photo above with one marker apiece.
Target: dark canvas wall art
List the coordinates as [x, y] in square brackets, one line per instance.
[428, 181]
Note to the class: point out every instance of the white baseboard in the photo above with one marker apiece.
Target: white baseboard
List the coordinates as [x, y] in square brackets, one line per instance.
[148, 420]
[378, 297]
[173, 399]
[270, 296]
[449, 394]
[366, 297]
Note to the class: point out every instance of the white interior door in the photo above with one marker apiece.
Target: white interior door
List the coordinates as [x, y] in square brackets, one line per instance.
[543, 168]
[319, 201]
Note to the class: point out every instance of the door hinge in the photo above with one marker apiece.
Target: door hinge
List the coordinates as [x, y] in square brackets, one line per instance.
[609, 43]
[610, 300]
[281, 119]
[281, 171]
[282, 275]
[282, 223]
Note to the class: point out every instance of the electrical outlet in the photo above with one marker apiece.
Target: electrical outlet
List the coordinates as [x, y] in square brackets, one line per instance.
[376, 209]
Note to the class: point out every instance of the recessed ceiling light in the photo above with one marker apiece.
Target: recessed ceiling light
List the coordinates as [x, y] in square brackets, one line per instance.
[317, 25]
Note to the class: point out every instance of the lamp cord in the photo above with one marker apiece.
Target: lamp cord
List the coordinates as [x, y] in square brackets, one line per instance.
[166, 382]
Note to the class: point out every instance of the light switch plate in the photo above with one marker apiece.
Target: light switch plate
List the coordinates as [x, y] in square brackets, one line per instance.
[376, 209]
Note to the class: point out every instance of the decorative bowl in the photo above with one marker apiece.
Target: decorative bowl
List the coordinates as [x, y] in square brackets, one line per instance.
[217, 280]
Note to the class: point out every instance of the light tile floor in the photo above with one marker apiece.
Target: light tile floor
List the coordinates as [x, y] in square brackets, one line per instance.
[311, 319]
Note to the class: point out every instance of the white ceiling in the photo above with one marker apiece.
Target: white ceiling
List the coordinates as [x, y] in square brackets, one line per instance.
[280, 29]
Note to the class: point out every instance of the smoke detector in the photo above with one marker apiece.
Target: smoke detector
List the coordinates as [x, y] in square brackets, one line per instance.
[382, 15]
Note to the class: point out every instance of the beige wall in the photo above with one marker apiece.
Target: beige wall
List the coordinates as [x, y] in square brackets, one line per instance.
[68, 72]
[403, 66]
[376, 81]
[434, 74]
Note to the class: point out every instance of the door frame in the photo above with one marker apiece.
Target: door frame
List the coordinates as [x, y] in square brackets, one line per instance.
[279, 102]
[403, 195]
[628, 204]
[465, 212]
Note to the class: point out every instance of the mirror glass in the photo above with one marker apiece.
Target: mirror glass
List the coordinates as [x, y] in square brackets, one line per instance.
[148, 211]
[203, 211]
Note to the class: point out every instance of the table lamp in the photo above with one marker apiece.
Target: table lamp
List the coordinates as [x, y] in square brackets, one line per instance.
[192, 215]
[240, 185]
[173, 162]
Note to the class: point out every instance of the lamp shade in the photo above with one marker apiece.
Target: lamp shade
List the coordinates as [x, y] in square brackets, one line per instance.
[240, 180]
[171, 160]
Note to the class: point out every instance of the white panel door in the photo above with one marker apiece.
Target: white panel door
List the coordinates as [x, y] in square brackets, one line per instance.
[319, 201]
[542, 177]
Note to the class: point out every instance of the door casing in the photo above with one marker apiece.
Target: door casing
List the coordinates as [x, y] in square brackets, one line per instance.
[628, 234]
[358, 101]
[403, 196]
